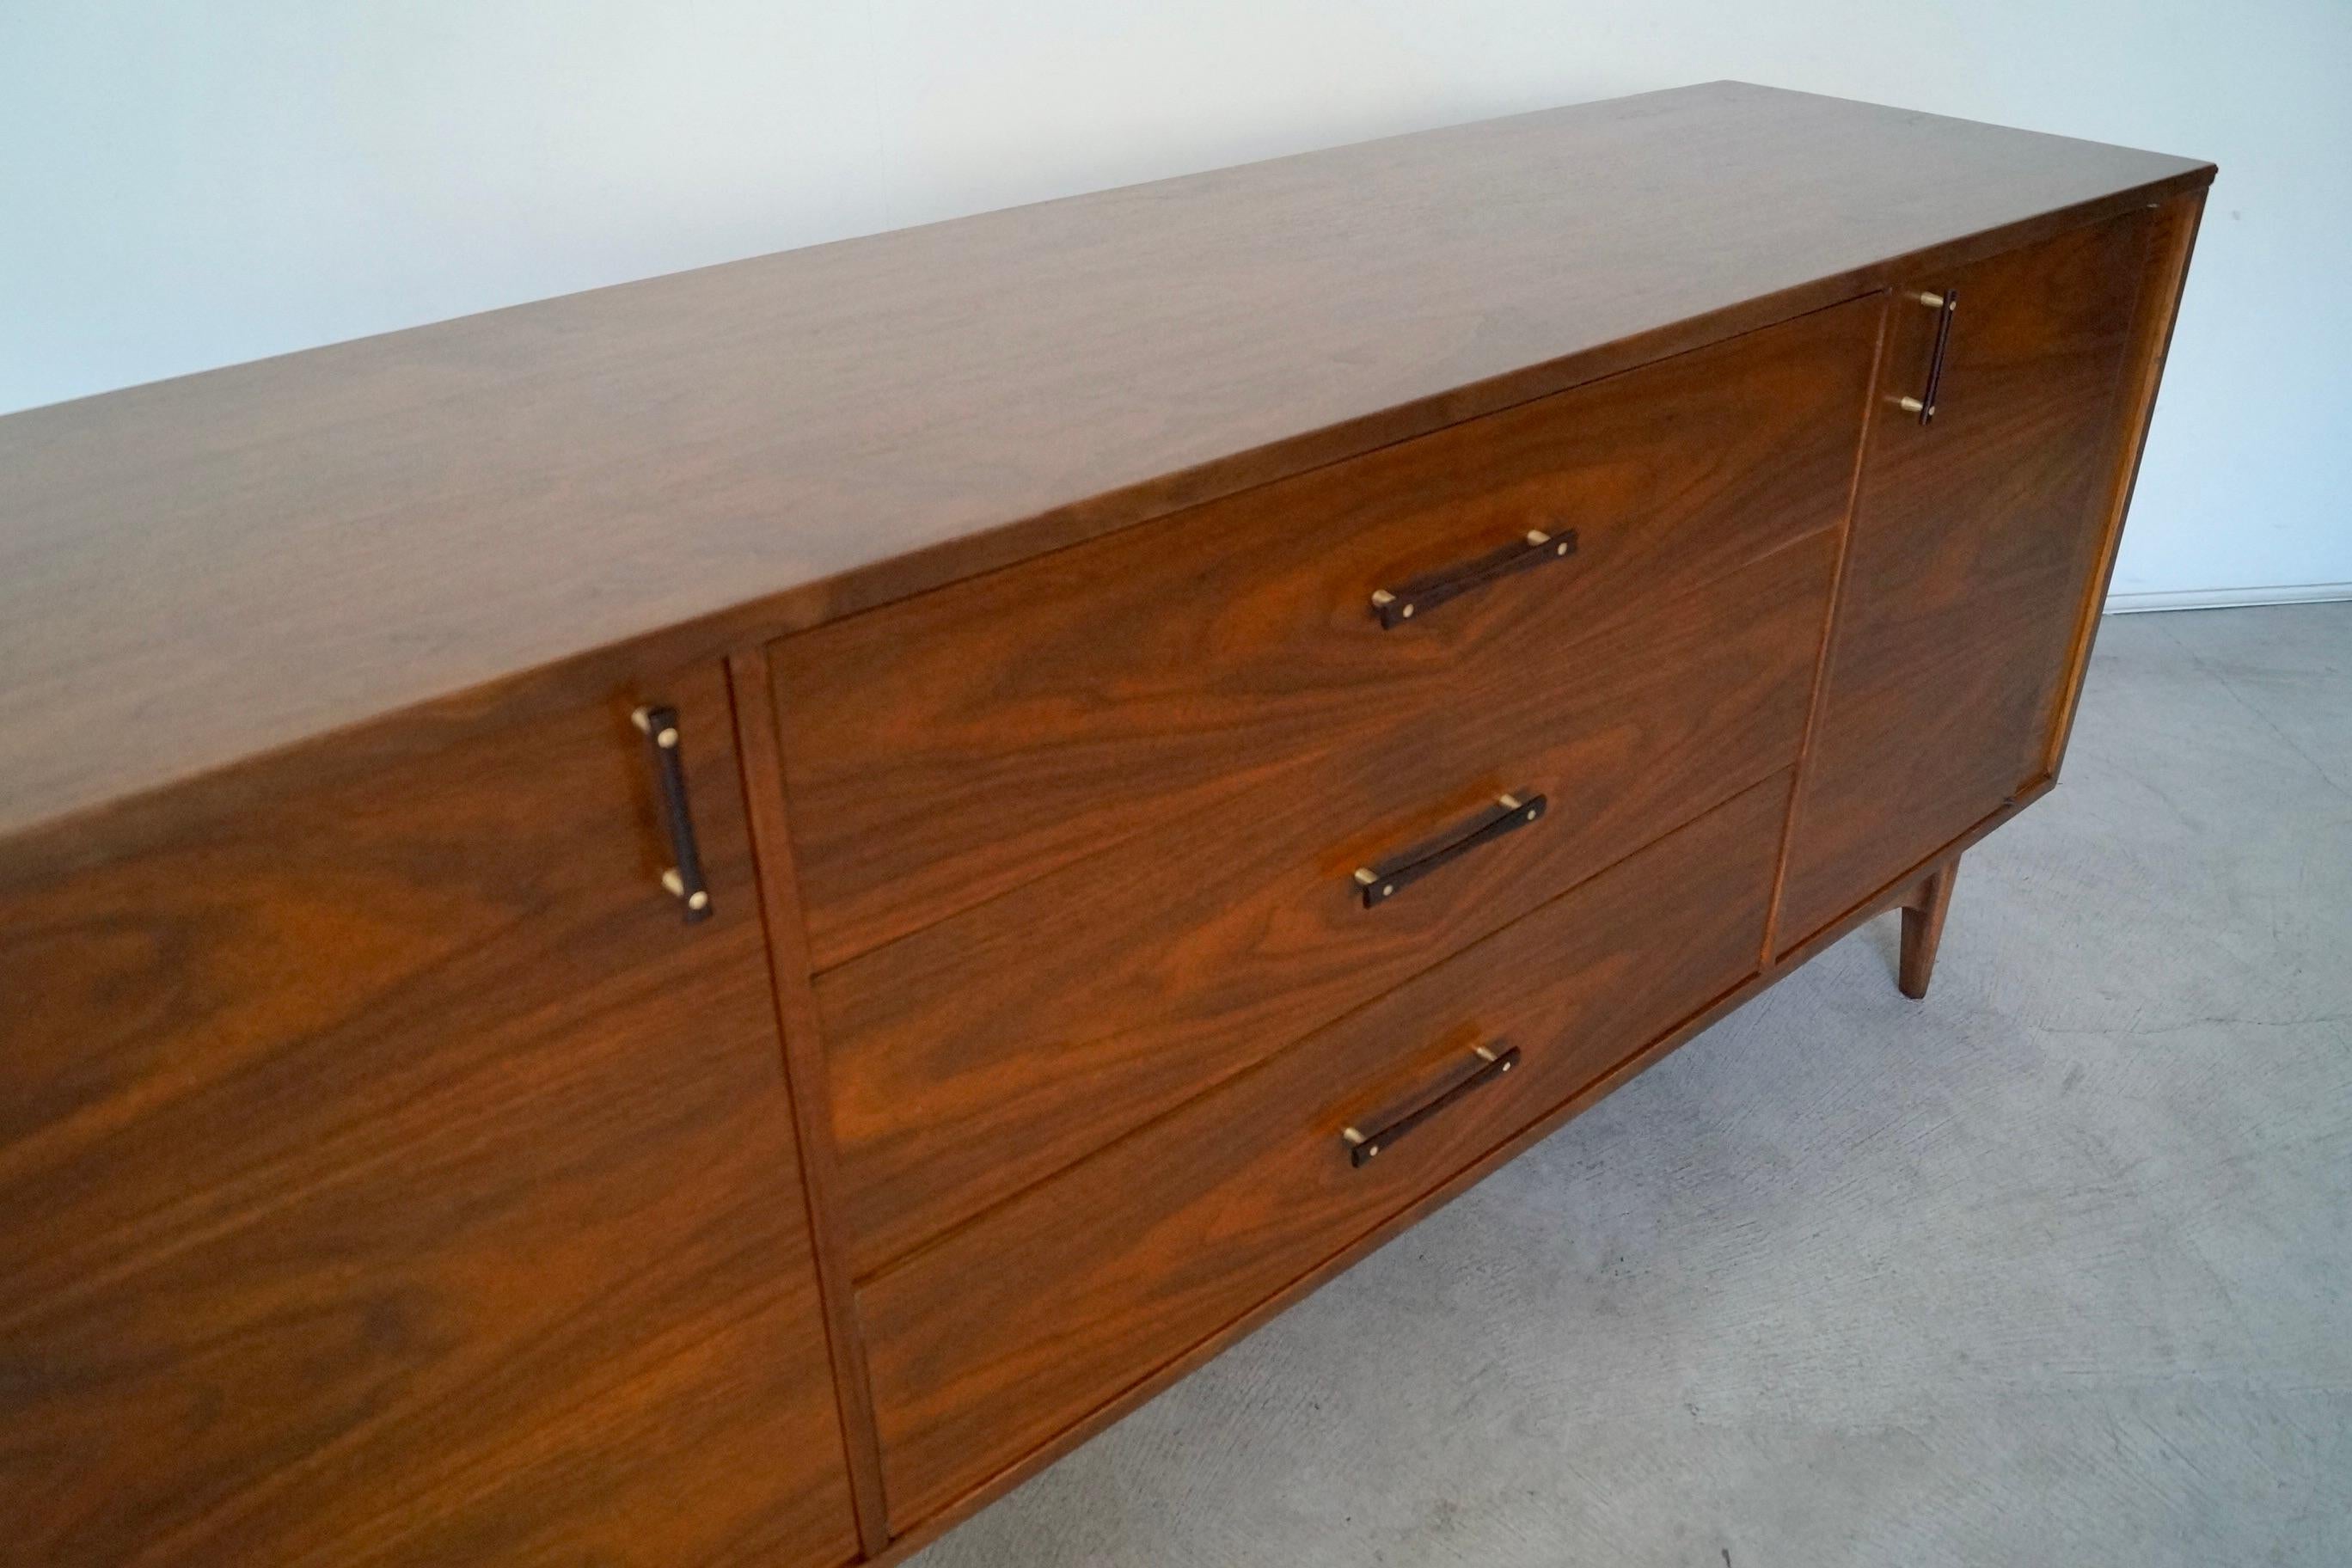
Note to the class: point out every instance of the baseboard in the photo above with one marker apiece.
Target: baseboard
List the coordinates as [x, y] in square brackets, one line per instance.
[2228, 598]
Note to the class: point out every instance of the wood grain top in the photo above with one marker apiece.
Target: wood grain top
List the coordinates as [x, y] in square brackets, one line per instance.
[200, 571]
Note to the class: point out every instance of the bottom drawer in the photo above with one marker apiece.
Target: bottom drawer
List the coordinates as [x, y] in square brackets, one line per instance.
[1044, 1309]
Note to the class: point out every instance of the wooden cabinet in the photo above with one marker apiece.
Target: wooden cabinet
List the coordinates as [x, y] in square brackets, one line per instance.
[392, 1176]
[1179, 729]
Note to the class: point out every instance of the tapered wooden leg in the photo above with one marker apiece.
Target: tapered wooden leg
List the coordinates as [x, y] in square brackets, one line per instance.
[1923, 928]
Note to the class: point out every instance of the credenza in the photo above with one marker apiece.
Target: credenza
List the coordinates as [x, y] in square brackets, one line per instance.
[701, 922]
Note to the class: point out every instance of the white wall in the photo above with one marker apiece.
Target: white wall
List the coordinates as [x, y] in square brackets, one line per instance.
[191, 183]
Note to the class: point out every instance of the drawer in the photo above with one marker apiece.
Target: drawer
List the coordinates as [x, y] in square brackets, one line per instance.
[945, 749]
[989, 1050]
[1015, 1328]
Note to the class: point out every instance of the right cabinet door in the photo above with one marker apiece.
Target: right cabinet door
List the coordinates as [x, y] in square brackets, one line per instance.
[1977, 539]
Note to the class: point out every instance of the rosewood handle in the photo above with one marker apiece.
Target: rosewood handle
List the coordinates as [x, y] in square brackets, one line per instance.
[1379, 883]
[1395, 606]
[1492, 1064]
[1942, 304]
[683, 879]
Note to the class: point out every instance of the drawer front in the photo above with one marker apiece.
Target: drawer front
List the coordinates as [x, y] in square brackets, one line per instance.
[986, 1052]
[943, 751]
[1020, 1325]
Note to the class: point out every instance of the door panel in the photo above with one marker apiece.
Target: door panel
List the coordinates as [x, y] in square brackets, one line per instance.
[391, 1176]
[1975, 539]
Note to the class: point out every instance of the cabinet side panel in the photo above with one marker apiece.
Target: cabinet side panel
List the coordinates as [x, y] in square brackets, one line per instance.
[2172, 242]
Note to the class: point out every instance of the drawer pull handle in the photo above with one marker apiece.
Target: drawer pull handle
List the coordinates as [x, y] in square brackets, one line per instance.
[1378, 884]
[683, 879]
[1943, 304]
[1363, 1147]
[1395, 606]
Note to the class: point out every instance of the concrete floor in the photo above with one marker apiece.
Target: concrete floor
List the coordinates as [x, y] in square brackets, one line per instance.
[2052, 1268]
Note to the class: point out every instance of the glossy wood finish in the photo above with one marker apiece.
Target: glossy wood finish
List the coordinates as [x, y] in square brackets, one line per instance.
[969, 742]
[985, 1052]
[391, 1177]
[1052, 1305]
[512, 512]
[973, 740]
[1976, 541]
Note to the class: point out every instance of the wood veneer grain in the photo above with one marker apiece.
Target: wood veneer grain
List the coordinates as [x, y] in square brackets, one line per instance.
[395, 1179]
[984, 1053]
[1975, 543]
[453, 526]
[1053, 1305]
[411, 1187]
[2172, 242]
[963, 743]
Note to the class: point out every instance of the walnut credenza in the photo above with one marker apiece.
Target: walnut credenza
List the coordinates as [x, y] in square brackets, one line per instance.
[702, 922]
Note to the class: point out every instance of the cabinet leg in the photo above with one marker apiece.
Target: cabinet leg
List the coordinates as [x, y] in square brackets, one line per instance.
[1923, 927]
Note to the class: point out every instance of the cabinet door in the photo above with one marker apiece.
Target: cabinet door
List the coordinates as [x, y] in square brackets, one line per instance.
[1977, 539]
[391, 1176]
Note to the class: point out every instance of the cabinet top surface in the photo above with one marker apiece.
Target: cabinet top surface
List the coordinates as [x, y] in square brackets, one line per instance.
[200, 570]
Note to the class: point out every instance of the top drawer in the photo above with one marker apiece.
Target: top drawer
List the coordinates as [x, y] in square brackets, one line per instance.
[944, 750]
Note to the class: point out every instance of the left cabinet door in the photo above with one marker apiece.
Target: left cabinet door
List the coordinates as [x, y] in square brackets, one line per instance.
[391, 1176]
